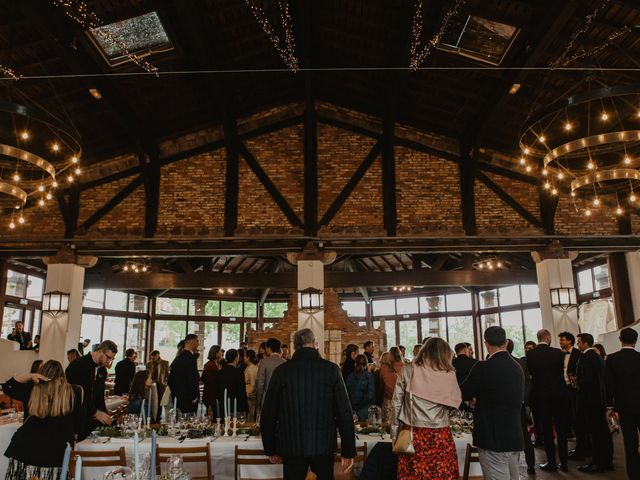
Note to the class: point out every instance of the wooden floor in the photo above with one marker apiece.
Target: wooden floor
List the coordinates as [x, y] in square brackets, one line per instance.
[618, 462]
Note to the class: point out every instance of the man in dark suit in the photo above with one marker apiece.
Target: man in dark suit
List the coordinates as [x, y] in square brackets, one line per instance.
[497, 384]
[125, 371]
[231, 379]
[20, 336]
[571, 355]
[622, 381]
[90, 372]
[464, 362]
[591, 408]
[184, 380]
[305, 402]
[546, 366]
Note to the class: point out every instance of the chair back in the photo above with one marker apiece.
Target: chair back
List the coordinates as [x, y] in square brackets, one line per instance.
[199, 454]
[98, 458]
[471, 455]
[250, 456]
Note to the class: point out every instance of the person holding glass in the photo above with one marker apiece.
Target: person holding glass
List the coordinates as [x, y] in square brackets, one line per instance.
[427, 389]
[361, 388]
[53, 413]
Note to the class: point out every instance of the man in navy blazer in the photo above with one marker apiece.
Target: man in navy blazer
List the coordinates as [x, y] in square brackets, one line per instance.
[497, 384]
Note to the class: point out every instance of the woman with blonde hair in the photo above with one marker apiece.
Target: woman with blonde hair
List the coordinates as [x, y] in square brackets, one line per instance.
[53, 414]
[426, 390]
[390, 367]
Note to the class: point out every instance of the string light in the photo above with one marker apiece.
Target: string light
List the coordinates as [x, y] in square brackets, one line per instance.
[627, 160]
[9, 73]
[12, 225]
[48, 196]
[420, 53]
[604, 117]
[528, 169]
[77, 172]
[618, 211]
[632, 197]
[587, 212]
[21, 220]
[55, 147]
[70, 178]
[596, 202]
[74, 159]
[545, 172]
[25, 135]
[286, 47]
[573, 194]
[523, 160]
[41, 188]
[526, 151]
[79, 12]
[560, 176]
[54, 184]
[16, 177]
[554, 191]
[402, 288]
[547, 186]
[41, 202]
[568, 127]
[590, 165]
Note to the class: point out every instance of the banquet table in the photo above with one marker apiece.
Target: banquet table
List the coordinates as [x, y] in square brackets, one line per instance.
[223, 451]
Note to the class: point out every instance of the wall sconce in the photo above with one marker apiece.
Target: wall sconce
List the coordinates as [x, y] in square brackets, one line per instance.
[55, 303]
[563, 298]
[311, 300]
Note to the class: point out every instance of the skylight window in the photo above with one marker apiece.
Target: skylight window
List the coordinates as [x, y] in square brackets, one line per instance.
[479, 38]
[143, 35]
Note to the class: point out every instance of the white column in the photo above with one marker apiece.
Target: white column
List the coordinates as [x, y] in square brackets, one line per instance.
[62, 333]
[633, 267]
[555, 273]
[311, 275]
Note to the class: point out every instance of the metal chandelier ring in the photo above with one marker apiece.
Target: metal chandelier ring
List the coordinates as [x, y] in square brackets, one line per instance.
[591, 141]
[26, 156]
[605, 175]
[14, 191]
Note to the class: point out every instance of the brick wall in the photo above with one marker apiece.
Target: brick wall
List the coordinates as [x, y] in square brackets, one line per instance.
[192, 191]
[335, 319]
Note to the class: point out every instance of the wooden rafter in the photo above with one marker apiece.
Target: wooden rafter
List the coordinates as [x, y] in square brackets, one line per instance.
[509, 200]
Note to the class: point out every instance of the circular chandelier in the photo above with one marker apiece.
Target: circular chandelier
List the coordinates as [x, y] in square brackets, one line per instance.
[490, 262]
[38, 151]
[588, 144]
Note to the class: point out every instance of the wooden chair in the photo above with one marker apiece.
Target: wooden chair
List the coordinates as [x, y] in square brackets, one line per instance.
[253, 456]
[98, 458]
[189, 455]
[471, 455]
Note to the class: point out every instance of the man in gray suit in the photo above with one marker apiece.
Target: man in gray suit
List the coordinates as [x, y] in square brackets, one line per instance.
[272, 360]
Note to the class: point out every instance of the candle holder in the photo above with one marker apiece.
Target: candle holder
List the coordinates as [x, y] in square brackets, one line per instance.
[235, 427]
[218, 433]
[227, 425]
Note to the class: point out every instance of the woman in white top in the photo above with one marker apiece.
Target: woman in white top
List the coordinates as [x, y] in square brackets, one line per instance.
[251, 377]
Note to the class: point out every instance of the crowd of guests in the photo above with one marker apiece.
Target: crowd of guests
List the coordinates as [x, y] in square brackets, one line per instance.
[302, 400]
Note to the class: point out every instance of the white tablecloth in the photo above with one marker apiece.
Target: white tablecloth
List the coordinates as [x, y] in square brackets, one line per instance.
[222, 455]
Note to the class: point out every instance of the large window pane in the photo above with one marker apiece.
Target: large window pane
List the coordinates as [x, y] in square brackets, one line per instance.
[488, 298]
[35, 288]
[384, 307]
[390, 328]
[532, 323]
[460, 330]
[231, 309]
[509, 295]
[407, 305]
[250, 309]
[91, 328]
[113, 329]
[136, 328]
[585, 282]
[167, 335]
[230, 335]
[458, 302]
[487, 321]
[36, 322]
[601, 277]
[275, 309]
[210, 333]
[355, 308]
[408, 331]
[93, 298]
[434, 327]
[171, 306]
[16, 283]
[512, 324]
[432, 304]
[530, 293]
[204, 307]
[137, 303]
[116, 300]
[9, 318]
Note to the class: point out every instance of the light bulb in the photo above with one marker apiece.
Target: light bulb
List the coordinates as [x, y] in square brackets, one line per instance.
[547, 186]
[144, 268]
[573, 194]
[16, 177]
[12, 225]
[41, 188]
[74, 159]
[554, 191]
[618, 211]
[41, 202]
[499, 264]
[587, 212]
[604, 117]
[568, 126]
[590, 165]
[77, 172]
[627, 160]
[70, 178]
[560, 176]
[545, 172]
[541, 139]
[55, 147]
[526, 151]
[21, 219]
[229, 290]
[523, 160]
[596, 201]
[480, 266]
[490, 266]
[25, 135]
[48, 196]
[528, 169]
[221, 291]
[632, 198]
[125, 268]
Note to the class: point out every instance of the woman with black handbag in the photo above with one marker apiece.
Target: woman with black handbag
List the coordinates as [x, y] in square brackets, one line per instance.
[425, 392]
